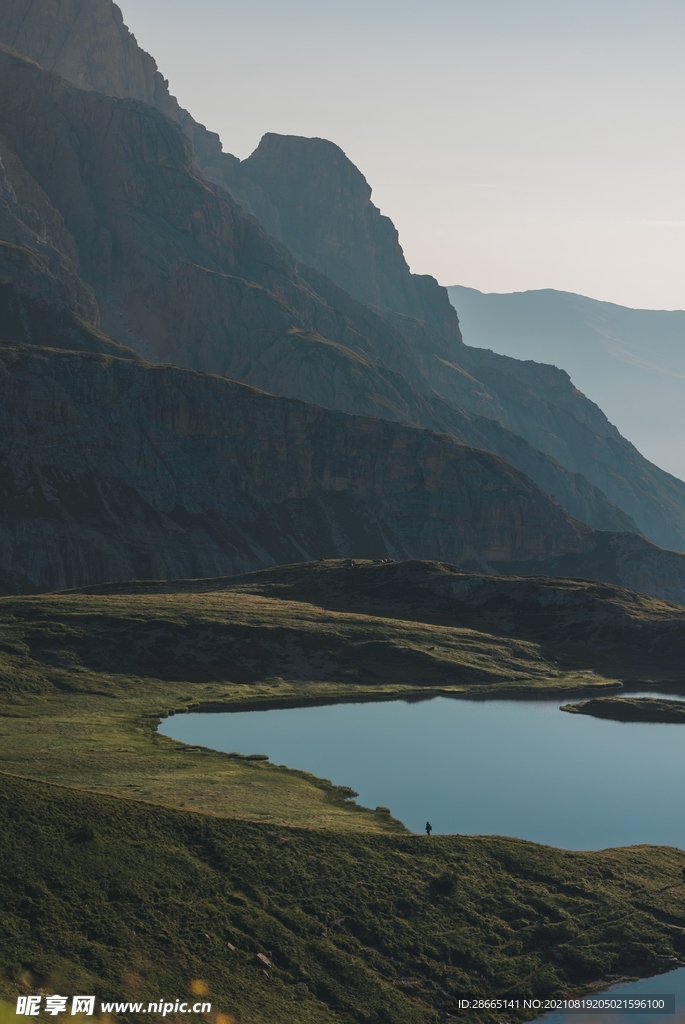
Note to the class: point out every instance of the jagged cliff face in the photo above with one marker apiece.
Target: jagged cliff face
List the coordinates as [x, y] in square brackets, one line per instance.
[38, 256]
[182, 274]
[328, 220]
[113, 470]
[88, 44]
[185, 276]
[287, 183]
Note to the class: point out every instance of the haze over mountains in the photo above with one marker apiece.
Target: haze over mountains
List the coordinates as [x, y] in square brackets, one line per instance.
[630, 361]
[119, 237]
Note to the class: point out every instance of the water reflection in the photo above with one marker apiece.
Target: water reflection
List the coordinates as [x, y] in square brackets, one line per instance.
[510, 767]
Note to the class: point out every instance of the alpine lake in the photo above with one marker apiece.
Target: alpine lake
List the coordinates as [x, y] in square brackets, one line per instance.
[510, 767]
[516, 767]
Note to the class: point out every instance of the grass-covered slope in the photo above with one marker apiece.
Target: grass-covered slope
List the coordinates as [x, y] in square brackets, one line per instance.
[570, 624]
[129, 861]
[129, 901]
[84, 677]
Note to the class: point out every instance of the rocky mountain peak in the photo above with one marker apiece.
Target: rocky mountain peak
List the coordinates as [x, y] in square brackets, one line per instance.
[88, 44]
[328, 221]
[307, 163]
[107, 201]
[305, 192]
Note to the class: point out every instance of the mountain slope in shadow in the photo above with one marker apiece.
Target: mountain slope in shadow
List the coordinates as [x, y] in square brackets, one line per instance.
[181, 286]
[119, 469]
[134, 471]
[184, 275]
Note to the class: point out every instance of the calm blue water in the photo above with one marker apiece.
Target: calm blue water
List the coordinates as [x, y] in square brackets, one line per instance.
[516, 768]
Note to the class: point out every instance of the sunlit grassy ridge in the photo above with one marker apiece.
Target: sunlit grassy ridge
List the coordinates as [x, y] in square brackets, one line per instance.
[128, 861]
[573, 624]
[85, 677]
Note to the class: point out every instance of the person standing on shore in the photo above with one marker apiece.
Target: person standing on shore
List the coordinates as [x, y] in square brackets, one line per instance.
[429, 828]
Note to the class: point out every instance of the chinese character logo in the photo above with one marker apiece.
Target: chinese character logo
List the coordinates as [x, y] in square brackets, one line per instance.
[55, 1005]
[28, 1006]
[83, 1004]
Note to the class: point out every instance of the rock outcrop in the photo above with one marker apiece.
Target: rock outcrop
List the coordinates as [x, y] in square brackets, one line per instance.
[88, 44]
[631, 709]
[328, 221]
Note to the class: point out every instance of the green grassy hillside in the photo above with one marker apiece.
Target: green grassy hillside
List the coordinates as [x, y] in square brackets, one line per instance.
[566, 625]
[128, 860]
[131, 901]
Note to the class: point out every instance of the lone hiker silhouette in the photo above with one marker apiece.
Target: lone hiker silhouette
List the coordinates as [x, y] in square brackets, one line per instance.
[429, 828]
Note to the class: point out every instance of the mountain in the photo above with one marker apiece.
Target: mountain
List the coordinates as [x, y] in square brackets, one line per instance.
[116, 469]
[328, 220]
[174, 267]
[183, 274]
[631, 362]
[137, 471]
[198, 310]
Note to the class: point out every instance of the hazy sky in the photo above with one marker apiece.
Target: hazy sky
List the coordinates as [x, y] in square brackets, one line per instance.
[515, 143]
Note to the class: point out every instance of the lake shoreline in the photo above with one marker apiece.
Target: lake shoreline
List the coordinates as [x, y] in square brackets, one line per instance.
[469, 766]
[415, 695]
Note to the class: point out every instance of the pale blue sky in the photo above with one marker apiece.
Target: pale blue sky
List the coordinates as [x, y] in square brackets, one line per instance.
[515, 143]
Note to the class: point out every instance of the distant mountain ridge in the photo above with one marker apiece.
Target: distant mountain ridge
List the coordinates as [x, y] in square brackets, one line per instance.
[630, 361]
